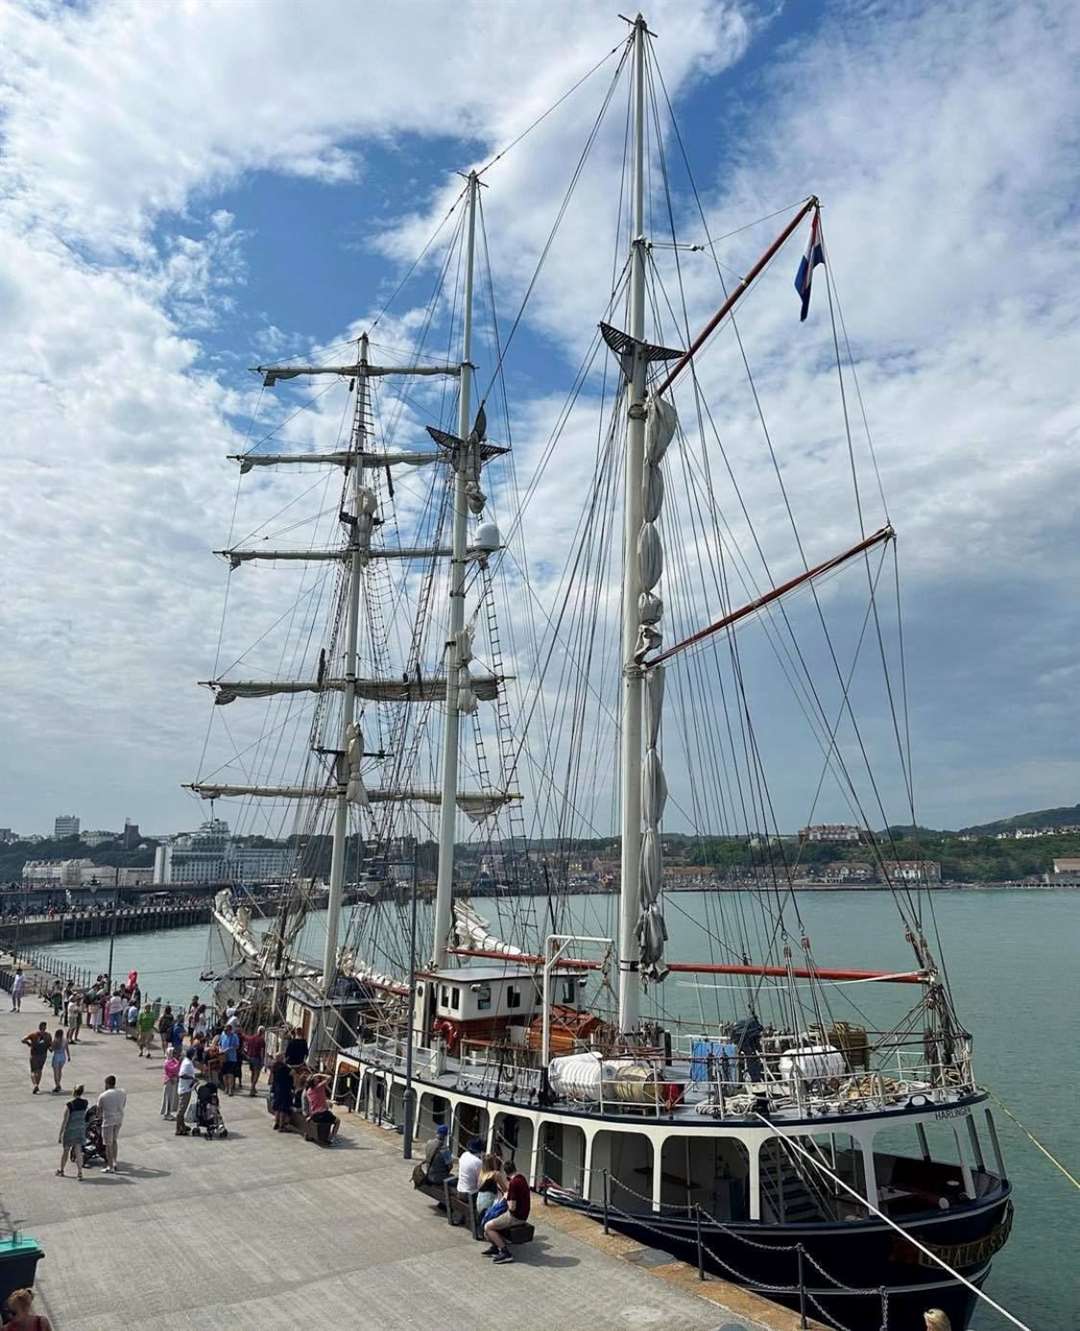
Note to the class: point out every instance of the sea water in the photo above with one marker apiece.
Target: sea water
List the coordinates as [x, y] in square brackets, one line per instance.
[1012, 961]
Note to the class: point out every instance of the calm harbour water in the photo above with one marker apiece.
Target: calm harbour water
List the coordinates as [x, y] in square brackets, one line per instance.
[1012, 960]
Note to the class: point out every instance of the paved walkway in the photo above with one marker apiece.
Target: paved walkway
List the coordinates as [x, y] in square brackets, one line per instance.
[264, 1231]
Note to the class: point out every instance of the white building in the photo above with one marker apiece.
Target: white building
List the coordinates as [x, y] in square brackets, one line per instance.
[98, 837]
[57, 873]
[912, 871]
[846, 834]
[210, 855]
[65, 825]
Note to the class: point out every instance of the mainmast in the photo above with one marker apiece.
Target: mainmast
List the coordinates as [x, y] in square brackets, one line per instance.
[630, 757]
[444, 892]
[353, 577]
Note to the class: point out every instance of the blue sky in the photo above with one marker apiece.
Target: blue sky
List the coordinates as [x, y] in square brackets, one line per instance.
[185, 195]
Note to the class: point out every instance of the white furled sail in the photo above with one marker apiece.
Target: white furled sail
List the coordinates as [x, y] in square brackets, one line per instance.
[651, 929]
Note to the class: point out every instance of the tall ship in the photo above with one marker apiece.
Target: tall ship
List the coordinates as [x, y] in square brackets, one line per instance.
[475, 666]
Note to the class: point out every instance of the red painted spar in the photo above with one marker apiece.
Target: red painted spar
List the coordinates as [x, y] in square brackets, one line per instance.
[711, 967]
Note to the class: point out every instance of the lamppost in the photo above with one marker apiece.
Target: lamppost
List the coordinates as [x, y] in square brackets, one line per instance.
[94, 885]
[410, 1093]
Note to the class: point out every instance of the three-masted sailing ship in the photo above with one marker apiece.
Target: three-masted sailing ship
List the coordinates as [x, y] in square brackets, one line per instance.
[804, 1150]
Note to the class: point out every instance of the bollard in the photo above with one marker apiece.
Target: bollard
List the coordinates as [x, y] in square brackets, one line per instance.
[700, 1249]
[803, 1323]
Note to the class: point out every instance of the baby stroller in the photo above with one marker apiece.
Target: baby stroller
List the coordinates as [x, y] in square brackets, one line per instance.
[208, 1113]
[93, 1146]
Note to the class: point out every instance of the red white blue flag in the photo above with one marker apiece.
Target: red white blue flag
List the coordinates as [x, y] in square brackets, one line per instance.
[810, 260]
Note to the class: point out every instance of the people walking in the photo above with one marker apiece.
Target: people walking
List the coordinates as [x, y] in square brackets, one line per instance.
[255, 1053]
[164, 1028]
[186, 1077]
[229, 1045]
[74, 1016]
[170, 1076]
[39, 1043]
[111, 1104]
[73, 1131]
[18, 988]
[59, 1057]
[146, 1027]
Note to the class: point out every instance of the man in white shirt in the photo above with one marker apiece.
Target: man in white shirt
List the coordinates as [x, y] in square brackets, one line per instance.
[116, 1008]
[111, 1104]
[470, 1163]
[18, 986]
[185, 1084]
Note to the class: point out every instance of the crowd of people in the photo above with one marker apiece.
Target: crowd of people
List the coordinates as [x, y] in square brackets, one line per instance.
[201, 1058]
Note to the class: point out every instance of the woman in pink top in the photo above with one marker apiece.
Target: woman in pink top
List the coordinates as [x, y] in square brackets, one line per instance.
[317, 1104]
[170, 1073]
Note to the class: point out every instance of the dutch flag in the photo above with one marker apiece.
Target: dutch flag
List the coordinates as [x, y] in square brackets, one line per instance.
[810, 260]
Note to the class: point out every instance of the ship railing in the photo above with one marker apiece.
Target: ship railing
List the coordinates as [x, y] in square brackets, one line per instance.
[652, 1084]
[391, 1052]
[894, 1071]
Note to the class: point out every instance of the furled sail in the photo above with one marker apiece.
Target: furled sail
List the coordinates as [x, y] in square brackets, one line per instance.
[430, 688]
[651, 929]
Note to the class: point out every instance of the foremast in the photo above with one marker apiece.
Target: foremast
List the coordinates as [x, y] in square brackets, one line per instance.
[359, 523]
[456, 647]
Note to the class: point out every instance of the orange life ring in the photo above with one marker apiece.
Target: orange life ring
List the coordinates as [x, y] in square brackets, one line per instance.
[450, 1032]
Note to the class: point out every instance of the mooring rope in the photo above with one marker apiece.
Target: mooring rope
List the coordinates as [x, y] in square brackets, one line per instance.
[1033, 1139]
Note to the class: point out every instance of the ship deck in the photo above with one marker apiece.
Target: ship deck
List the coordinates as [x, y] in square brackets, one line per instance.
[254, 1232]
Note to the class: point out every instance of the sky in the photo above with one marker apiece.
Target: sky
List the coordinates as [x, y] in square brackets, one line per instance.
[188, 189]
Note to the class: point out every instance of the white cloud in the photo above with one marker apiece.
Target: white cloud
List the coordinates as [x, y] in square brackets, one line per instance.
[942, 140]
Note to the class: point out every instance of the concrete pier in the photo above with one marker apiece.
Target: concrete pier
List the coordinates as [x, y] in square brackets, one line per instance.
[264, 1231]
[74, 924]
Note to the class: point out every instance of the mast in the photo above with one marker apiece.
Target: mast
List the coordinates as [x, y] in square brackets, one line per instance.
[354, 574]
[444, 892]
[630, 758]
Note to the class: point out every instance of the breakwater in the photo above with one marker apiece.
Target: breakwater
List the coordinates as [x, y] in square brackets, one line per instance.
[71, 925]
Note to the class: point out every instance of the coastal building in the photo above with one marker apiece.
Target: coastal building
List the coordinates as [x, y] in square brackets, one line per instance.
[211, 855]
[847, 871]
[846, 834]
[65, 825]
[1066, 873]
[98, 837]
[912, 871]
[81, 873]
[56, 873]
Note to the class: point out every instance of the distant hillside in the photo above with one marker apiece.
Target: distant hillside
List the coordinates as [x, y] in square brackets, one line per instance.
[1066, 817]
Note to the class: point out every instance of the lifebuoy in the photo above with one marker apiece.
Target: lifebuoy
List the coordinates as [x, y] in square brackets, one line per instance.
[450, 1032]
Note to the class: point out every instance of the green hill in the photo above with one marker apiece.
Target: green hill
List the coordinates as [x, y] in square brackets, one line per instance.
[1069, 816]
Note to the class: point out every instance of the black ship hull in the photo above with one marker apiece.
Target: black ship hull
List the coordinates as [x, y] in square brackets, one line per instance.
[875, 1281]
